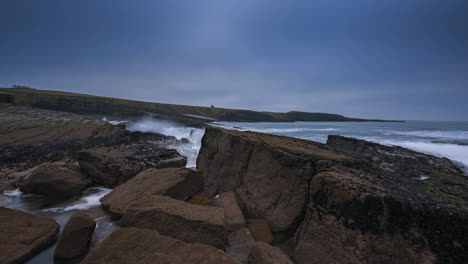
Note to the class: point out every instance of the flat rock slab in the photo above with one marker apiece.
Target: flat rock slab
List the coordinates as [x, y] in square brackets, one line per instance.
[112, 166]
[233, 215]
[138, 246]
[75, 237]
[55, 179]
[23, 235]
[178, 183]
[188, 222]
[263, 253]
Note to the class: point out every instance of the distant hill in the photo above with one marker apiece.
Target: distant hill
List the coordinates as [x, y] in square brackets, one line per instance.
[97, 106]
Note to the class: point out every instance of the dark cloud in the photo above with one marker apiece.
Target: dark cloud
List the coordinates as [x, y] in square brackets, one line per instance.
[383, 59]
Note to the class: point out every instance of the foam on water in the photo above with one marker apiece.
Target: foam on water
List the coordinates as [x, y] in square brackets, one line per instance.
[169, 128]
[89, 199]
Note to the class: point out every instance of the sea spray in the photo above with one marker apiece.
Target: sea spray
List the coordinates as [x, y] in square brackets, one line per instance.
[190, 136]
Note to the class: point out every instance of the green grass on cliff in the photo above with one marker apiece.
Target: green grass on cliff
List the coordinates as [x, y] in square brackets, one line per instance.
[97, 105]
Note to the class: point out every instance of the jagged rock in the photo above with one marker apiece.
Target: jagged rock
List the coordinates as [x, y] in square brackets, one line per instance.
[239, 244]
[269, 174]
[260, 230]
[112, 166]
[347, 201]
[139, 246]
[233, 216]
[181, 220]
[23, 235]
[55, 179]
[263, 253]
[75, 237]
[178, 183]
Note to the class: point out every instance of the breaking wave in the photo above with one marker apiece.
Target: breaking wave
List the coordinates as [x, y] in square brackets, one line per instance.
[189, 148]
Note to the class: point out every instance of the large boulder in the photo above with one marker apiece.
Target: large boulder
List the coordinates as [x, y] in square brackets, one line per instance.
[263, 253]
[139, 246]
[112, 166]
[260, 230]
[75, 237]
[188, 222]
[23, 235]
[270, 174]
[178, 183]
[55, 179]
[233, 215]
[347, 201]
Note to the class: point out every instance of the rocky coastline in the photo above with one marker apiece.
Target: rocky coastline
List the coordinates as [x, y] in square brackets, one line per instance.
[253, 197]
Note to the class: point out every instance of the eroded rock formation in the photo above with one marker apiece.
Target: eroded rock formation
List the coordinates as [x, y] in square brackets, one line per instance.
[347, 201]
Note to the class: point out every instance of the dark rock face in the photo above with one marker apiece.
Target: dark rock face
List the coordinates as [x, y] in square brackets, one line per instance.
[75, 237]
[178, 183]
[55, 180]
[347, 201]
[270, 174]
[180, 220]
[139, 246]
[262, 253]
[112, 166]
[23, 235]
[233, 215]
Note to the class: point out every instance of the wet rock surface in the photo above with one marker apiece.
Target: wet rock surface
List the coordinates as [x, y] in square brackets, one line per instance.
[133, 245]
[178, 183]
[347, 201]
[178, 219]
[76, 236]
[23, 235]
[112, 166]
[55, 180]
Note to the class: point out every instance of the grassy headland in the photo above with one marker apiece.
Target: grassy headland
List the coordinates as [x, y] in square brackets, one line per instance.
[96, 106]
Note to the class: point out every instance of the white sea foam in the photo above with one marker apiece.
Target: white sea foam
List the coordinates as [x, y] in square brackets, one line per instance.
[169, 128]
[12, 193]
[451, 151]
[450, 135]
[90, 198]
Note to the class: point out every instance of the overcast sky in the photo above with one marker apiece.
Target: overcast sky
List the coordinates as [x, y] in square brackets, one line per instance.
[394, 59]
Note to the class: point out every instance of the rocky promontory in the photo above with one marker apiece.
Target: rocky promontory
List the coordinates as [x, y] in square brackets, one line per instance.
[347, 201]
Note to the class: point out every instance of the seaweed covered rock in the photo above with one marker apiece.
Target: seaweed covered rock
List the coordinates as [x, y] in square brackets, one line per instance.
[112, 166]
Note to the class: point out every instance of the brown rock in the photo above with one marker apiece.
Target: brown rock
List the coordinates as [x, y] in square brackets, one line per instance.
[200, 199]
[270, 174]
[260, 230]
[181, 220]
[75, 237]
[178, 183]
[263, 253]
[55, 179]
[138, 246]
[112, 166]
[23, 235]
[239, 244]
[233, 215]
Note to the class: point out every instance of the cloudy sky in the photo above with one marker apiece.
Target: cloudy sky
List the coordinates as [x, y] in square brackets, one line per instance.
[394, 59]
